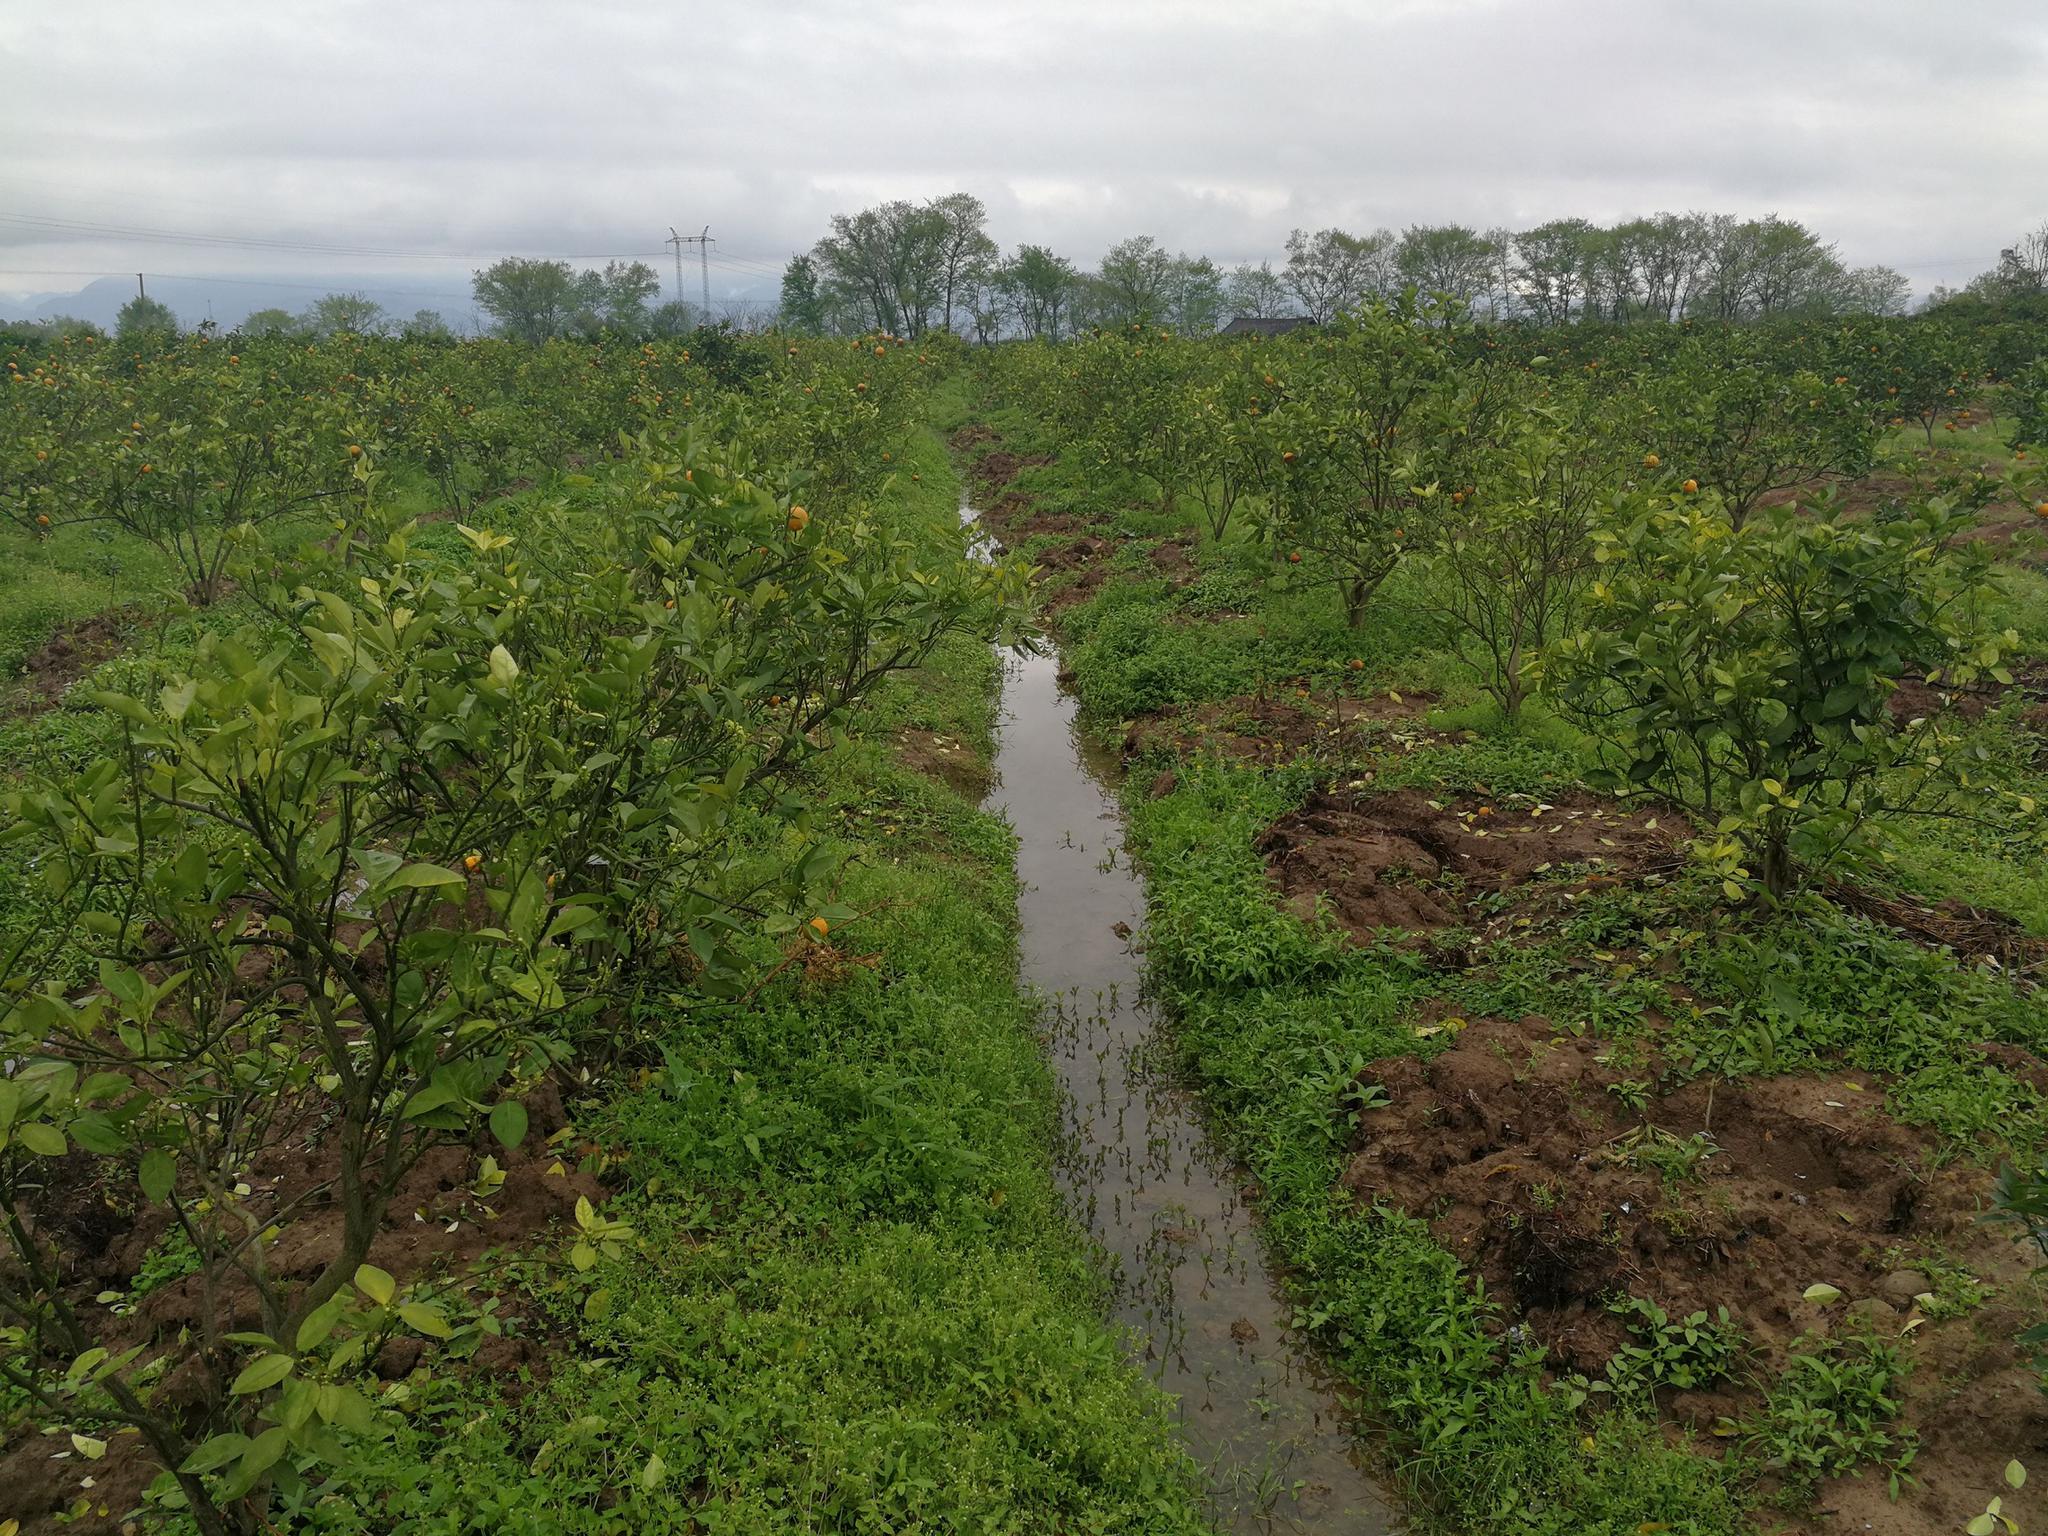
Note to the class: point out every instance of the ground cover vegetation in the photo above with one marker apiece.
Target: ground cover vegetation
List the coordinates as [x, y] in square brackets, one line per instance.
[503, 1031]
[1588, 779]
[509, 1002]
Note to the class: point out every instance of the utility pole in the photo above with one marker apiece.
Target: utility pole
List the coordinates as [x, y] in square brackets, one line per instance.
[140, 291]
[703, 244]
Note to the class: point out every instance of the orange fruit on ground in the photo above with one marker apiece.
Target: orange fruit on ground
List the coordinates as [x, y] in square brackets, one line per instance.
[2041, 510]
[1355, 664]
[1294, 558]
[355, 450]
[1651, 461]
[42, 519]
[1690, 486]
[1287, 457]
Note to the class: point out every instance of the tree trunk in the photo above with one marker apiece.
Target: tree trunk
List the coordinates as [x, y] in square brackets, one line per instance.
[1776, 863]
[1357, 592]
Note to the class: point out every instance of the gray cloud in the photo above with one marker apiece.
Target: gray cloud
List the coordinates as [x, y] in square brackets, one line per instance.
[1908, 135]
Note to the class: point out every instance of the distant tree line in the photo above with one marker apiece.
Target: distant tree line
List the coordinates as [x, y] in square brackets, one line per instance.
[911, 267]
[908, 268]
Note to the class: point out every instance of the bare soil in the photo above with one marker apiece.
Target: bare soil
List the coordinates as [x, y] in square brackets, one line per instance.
[1407, 861]
[436, 1226]
[941, 757]
[1527, 1150]
[1915, 698]
[1269, 728]
[74, 650]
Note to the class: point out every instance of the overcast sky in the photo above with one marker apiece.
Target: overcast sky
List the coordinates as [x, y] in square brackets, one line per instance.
[1914, 134]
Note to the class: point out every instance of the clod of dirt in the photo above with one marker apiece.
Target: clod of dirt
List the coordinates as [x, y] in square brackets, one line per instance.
[74, 650]
[1916, 699]
[1562, 1176]
[437, 1224]
[998, 467]
[1403, 860]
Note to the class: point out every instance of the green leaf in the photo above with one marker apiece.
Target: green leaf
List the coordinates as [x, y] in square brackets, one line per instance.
[376, 1284]
[216, 1453]
[261, 1374]
[652, 1474]
[264, 1451]
[2015, 1475]
[418, 876]
[426, 1319]
[343, 1405]
[508, 1123]
[1822, 1294]
[43, 1139]
[157, 1174]
[318, 1324]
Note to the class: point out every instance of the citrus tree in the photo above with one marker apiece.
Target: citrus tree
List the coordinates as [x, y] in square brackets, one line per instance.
[1744, 672]
[361, 876]
[1384, 414]
[1734, 419]
[203, 450]
[1509, 555]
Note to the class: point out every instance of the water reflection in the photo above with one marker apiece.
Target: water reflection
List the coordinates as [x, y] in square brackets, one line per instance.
[1135, 1161]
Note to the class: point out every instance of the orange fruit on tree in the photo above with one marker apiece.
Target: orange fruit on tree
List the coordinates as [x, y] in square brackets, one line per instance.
[355, 450]
[1690, 486]
[1294, 557]
[820, 926]
[799, 519]
[1651, 461]
[1287, 457]
[42, 519]
[472, 862]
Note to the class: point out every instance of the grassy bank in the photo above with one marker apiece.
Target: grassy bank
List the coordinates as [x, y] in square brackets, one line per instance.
[1514, 1401]
[850, 1300]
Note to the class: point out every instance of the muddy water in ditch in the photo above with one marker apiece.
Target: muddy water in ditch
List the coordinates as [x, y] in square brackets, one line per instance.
[1136, 1163]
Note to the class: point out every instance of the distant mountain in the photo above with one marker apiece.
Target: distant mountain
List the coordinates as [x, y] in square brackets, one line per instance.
[230, 300]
